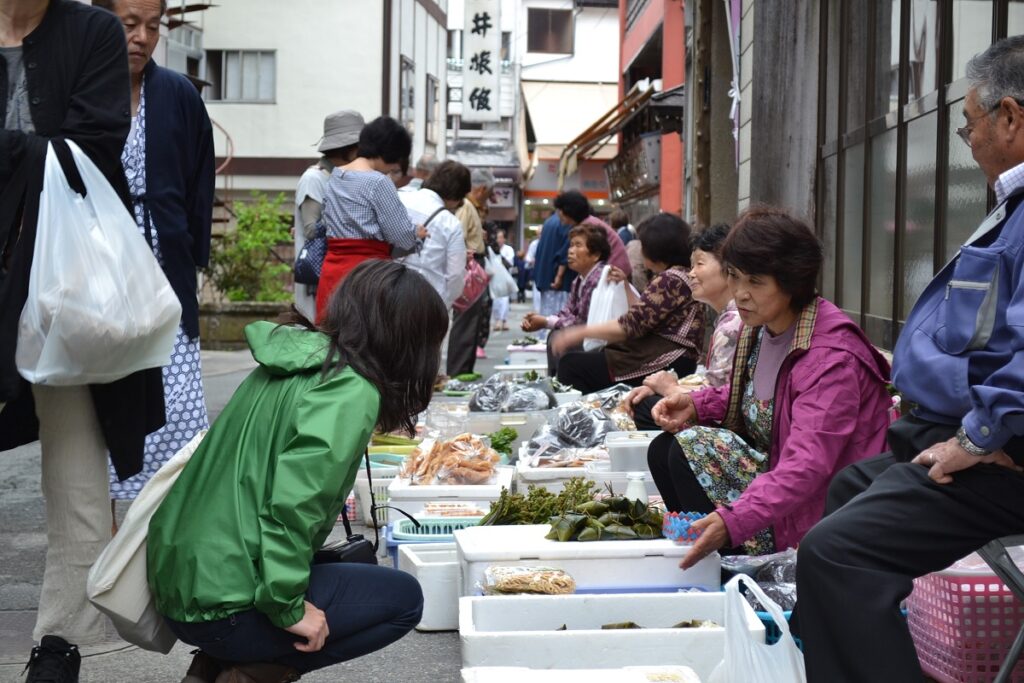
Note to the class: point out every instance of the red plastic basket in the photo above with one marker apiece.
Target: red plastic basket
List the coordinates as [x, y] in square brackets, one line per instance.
[963, 624]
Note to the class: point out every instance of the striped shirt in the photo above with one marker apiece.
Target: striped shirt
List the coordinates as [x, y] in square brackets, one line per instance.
[364, 205]
[1008, 182]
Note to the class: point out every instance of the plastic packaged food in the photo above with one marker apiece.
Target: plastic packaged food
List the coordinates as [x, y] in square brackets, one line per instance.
[462, 460]
[534, 580]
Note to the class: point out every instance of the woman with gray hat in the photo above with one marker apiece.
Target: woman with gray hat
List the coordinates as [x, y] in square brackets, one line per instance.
[339, 145]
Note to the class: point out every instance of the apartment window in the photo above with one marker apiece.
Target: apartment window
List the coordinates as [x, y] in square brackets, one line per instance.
[455, 44]
[241, 75]
[407, 94]
[549, 30]
[433, 109]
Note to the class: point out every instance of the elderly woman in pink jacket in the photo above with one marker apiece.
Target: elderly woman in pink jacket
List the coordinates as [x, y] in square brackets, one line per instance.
[807, 397]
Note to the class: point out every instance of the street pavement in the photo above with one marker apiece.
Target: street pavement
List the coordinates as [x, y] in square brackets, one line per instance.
[433, 657]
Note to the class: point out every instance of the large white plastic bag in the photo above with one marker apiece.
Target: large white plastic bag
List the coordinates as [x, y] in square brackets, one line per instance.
[747, 660]
[502, 283]
[118, 584]
[608, 302]
[99, 307]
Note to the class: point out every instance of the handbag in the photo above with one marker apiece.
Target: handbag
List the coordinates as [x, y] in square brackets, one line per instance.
[310, 260]
[117, 584]
[475, 283]
[99, 306]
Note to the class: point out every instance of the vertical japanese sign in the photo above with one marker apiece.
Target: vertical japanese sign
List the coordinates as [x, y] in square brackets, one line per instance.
[481, 68]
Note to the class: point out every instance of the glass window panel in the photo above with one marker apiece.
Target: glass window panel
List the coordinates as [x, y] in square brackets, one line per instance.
[919, 238]
[233, 75]
[250, 75]
[1015, 18]
[972, 32]
[853, 226]
[832, 76]
[882, 224]
[266, 90]
[967, 193]
[828, 227]
[923, 49]
[856, 30]
[887, 59]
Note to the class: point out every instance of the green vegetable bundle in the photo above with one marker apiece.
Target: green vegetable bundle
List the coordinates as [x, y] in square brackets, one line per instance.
[612, 519]
[539, 505]
[503, 440]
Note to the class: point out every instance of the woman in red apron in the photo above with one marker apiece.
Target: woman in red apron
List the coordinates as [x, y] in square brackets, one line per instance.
[363, 217]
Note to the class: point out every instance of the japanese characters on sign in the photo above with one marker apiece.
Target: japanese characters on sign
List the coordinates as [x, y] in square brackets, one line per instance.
[481, 71]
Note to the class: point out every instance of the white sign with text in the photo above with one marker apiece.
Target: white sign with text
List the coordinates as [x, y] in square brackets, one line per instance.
[481, 67]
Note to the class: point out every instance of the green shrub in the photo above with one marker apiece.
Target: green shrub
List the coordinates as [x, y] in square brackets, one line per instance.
[243, 263]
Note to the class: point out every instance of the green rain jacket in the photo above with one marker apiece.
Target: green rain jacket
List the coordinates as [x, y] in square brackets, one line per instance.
[264, 489]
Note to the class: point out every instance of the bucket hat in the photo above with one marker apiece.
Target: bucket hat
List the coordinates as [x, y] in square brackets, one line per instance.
[341, 129]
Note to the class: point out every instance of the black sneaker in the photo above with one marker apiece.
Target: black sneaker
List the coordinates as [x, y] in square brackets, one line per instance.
[54, 660]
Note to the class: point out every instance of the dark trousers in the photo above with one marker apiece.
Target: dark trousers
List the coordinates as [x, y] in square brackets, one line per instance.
[588, 371]
[887, 523]
[463, 338]
[367, 607]
[674, 478]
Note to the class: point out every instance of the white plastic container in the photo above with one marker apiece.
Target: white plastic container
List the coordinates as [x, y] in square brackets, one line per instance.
[536, 354]
[600, 472]
[571, 396]
[595, 565]
[453, 418]
[411, 499]
[521, 630]
[436, 567]
[382, 478]
[629, 674]
[540, 368]
[627, 451]
[551, 478]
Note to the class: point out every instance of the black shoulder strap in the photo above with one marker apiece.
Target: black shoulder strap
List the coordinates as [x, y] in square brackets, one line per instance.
[432, 216]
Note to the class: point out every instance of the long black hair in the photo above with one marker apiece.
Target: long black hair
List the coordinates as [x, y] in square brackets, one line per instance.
[387, 323]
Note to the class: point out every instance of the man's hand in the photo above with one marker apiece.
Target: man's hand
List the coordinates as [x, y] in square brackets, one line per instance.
[713, 536]
[674, 413]
[947, 457]
[533, 322]
[312, 627]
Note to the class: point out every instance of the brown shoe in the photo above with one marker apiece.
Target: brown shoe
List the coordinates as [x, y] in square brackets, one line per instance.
[204, 669]
[258, 672]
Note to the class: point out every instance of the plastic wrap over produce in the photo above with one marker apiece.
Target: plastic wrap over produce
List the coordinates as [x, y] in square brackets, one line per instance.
[775, 574]
[466, 459]
[611, 402]
[533, 580]
[500, 395]
[574, 426]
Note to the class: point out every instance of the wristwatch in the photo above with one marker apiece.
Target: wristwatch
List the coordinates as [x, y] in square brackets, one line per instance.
[968, 445]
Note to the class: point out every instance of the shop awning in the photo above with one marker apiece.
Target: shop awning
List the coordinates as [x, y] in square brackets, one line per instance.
[558, 111]
[599, 133]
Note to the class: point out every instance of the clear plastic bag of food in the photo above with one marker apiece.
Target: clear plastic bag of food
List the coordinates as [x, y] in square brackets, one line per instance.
[500, 394]
[580, 426]
[774, 573]
[500, 580]
[464, 459]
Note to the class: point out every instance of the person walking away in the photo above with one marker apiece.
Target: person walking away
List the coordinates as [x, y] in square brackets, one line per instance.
[271, 477]
[531, 262]
[951, 481]
[507, 254]
[363, 216]
[168, 160]
[551, 274]
[338, 146]
[66, 78]
[464, 339]
[442, 261]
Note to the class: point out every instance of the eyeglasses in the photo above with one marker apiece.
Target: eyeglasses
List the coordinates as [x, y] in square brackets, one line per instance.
[965, 131]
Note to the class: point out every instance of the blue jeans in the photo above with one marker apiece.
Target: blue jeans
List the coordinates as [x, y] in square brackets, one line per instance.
[367, 608]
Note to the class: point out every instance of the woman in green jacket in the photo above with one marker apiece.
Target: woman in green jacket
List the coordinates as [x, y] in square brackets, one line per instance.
[229, 550]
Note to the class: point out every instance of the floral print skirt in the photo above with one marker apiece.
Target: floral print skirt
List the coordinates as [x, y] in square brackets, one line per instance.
[724, 465]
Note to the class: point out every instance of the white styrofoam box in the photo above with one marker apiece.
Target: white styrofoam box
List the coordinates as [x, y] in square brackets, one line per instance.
[537, 354]
[627, 451]
[600, 472]
[411, 498]
[595, 565]
[436, 567]
[628, 674]
[571, 396]
[521, 630]
[550, 478]
[455, 418]
[540, 368]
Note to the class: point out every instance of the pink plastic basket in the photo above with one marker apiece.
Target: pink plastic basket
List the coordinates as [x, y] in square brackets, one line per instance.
[963, 624]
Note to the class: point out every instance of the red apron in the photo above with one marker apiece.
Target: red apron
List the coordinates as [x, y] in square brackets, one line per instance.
[342, 256]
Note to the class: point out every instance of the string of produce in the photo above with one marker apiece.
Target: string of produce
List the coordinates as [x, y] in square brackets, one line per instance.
[539, 505]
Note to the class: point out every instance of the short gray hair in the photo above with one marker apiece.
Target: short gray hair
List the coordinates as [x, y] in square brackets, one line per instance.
[427, 163]
[482, 177]
[998, 72]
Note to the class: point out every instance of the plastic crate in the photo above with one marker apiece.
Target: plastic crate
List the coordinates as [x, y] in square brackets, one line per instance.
[963, 623]
[382, 478]
[431, 531]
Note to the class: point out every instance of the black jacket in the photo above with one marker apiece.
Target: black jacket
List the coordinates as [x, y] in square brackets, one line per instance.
[179, 182]
[76, 71]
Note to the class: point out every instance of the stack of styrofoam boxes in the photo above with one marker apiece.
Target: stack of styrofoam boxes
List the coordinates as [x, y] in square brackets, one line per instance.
[412, 499]
[551, 478]
[963, 620]
[629, 674]
[436, 567]
[535, 354]
[627, 452]
[525, 630]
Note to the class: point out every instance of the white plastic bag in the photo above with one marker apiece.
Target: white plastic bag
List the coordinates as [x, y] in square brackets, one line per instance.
[502, 283]
[749, 661]
[99, 307]
[608, 302]
[117, 584]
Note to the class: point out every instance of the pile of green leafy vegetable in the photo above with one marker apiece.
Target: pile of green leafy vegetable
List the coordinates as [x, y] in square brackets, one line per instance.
[612, 519]
[503, 440]
[539, 505]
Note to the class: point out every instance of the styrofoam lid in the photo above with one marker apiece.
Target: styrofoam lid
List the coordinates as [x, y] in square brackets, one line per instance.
[629, 674]
[527, 542]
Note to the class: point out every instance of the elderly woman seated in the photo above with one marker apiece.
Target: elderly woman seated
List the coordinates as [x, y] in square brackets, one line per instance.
[807, 397]
[588, 252]
[663, 328]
